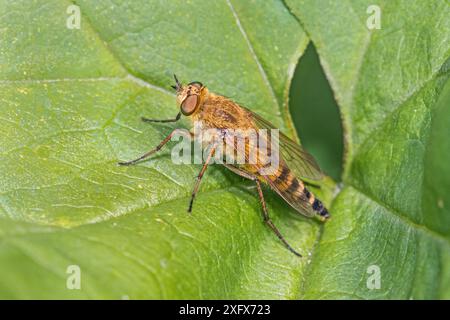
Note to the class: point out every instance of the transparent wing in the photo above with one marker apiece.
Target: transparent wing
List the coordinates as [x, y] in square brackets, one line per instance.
[298, 160]
[299, 203]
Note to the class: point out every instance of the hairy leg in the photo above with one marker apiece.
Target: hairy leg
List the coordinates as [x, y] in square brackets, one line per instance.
[163, 120]
[266, 216]
[158, 147]
[200, 175]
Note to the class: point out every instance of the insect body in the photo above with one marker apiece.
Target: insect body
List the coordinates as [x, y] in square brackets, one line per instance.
[294, 164]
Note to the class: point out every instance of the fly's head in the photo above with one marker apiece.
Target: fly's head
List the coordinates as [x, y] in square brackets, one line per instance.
[189, 96]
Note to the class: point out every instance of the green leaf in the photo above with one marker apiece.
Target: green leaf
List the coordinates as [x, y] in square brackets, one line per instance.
[393, 91]
[71, 105]
[71, 102]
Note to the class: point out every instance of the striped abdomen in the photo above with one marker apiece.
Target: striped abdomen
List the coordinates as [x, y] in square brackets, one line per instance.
[295, 193]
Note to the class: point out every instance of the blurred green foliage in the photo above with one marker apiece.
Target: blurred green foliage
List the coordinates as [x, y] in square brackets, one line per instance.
[316, 114]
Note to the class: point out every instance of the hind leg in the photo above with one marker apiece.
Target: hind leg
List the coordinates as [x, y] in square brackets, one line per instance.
[266, 216]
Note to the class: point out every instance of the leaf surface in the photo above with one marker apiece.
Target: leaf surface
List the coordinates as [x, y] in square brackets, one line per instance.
[71, 106]
[392, 88]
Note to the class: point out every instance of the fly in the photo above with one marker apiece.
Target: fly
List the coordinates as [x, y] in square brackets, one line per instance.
[294, 164]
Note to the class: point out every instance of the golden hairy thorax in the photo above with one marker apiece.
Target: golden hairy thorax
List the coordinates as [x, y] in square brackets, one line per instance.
[219, 112]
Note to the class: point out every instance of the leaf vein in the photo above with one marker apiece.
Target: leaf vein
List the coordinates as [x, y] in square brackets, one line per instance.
[405, 220]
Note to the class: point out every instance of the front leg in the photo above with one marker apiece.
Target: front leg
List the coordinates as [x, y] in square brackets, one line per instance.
[163, 120]
[158, 147]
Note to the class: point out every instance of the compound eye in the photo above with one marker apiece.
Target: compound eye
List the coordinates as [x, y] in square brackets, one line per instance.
[189, 104]
[196, 84]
